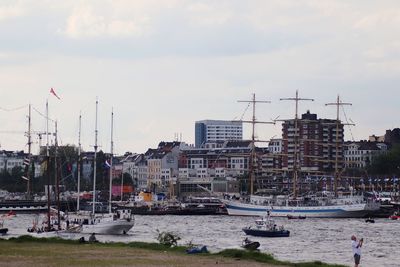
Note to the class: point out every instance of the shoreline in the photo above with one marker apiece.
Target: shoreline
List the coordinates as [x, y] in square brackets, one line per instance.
[24, 250]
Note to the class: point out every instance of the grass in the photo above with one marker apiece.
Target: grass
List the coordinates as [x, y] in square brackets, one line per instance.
[60, 252]
[267, 258]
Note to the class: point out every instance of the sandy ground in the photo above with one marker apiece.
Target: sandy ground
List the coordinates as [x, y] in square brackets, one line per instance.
[39, 254]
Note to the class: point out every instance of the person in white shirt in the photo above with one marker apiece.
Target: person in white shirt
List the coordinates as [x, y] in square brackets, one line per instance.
[356, 247]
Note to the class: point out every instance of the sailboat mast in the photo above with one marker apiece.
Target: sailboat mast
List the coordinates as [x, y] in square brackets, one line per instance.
[253, 152]
[111, 160]
[47, 165]
[296, 162]
[338, 103]
[28, 176]
[79, 162]
[57, 176]
[95, 161]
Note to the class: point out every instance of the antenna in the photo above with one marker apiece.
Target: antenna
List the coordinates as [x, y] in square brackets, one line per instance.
[338, 104]
[296, 139]
[253, 123]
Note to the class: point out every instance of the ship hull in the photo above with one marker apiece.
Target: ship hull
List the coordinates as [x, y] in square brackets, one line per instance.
[334, 211]
[118, 227]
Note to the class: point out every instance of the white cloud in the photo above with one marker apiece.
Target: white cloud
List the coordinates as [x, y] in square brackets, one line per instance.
[11, 11]
[87, 22]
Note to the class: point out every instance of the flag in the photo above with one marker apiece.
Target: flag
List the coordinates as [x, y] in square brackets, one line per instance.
[27, 161]
[54, 93]
[107, 164]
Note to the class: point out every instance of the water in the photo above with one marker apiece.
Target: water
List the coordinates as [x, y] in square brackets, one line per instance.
[326, 240]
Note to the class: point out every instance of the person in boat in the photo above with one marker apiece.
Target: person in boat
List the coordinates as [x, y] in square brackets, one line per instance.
[92, 238]
[356, 247]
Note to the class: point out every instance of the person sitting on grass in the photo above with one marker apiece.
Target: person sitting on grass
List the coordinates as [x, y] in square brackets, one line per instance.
[92, 238]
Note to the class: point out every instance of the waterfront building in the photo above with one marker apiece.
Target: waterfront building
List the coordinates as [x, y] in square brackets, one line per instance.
[316, 141]
[11, 159]
[230, 160]
[162, 164]
[361, 154]
[136, 166]
[215, 131]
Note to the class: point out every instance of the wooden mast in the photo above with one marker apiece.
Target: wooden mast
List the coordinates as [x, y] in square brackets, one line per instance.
[95, 161]
[111, 162]
[338, 103]
[253, 154]
[296, 140]
[79, 162]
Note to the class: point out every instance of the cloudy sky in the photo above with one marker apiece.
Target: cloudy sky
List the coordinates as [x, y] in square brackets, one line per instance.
[163, 65]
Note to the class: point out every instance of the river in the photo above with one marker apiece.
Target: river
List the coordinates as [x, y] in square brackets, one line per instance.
[326, 240]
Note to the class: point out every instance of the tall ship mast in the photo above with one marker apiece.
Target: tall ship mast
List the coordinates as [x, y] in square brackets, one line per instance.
[338, 104]
[253, 122]
[111, 163]
[296, 162]
[95, 161]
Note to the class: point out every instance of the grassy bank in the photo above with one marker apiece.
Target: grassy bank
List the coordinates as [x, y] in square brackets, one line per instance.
[26, 250]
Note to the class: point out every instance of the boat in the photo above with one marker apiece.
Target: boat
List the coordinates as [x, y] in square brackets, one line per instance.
[115, 222]
[321, 205]
[291, 217]
[395, 216]
[266, 227]
[3, 230]
[369, 220]
[250, 245]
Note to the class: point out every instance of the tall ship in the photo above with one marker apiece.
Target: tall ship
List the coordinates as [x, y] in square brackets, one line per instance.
[315, 204]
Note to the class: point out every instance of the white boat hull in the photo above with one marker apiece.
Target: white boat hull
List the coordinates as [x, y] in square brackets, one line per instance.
[116, 227]
[334, 211]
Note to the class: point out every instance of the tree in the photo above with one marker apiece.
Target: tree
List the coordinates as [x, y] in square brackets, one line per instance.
[388, 164]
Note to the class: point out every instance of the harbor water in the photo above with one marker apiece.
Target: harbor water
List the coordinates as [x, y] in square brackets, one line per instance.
[325, 240]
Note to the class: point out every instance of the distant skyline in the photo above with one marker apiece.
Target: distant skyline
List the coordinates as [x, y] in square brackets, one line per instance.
[162, 65]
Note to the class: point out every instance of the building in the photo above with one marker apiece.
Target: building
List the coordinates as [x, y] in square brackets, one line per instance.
[162, 164]
[360, 154]
[216, 131]
[316, 141]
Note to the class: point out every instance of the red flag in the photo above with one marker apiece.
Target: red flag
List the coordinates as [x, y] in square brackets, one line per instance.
[54, 93]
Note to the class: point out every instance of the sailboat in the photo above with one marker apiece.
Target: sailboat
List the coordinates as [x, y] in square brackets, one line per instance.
[321, 205]
[113, 223]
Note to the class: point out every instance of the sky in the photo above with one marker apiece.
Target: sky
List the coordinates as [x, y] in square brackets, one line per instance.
[162, 65]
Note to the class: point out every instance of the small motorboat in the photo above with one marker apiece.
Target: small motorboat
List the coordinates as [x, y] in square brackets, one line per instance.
[250, 245]
[292, 217]
[369, 220]
[266, 227]
[395, 216]
[3, 231]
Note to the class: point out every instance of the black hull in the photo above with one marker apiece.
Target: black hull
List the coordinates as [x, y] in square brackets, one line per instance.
[266, 233]
[3, 231]
[251, 246]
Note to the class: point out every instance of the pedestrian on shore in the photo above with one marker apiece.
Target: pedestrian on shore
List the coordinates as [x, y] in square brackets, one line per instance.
[356, 247]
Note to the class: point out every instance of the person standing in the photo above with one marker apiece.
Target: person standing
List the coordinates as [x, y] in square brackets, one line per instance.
[356, 247]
